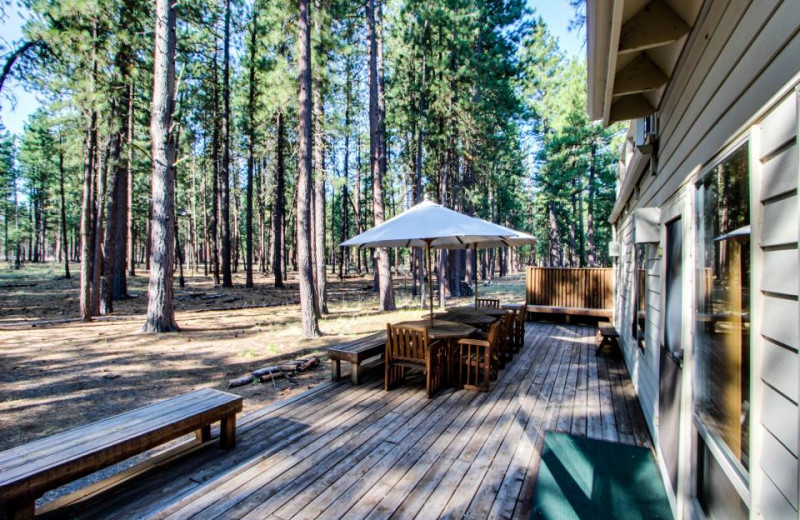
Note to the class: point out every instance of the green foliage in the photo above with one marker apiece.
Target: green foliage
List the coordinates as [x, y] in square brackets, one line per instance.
[479, 86]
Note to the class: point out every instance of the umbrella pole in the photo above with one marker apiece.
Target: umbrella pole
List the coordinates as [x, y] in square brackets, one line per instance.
[430, 280]
[475, 271]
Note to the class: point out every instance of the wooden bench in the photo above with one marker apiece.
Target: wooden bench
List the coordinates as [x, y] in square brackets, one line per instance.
[570, 311]
[607, 335]
[356, 352]
[28, 471]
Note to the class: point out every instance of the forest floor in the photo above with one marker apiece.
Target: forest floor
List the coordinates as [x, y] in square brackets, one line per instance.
[59, 373]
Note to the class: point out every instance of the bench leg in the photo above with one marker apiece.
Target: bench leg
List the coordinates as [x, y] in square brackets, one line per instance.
[227, 432]
[204, 433]
[355, 373]
[336, 370]
[21, 510]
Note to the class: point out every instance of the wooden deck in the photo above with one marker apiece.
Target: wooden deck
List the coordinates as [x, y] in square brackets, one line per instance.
[339, 451]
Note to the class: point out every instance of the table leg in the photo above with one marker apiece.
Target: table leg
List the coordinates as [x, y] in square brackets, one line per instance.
[336, 369]
[204, 433]
[355, 373]
[227, 432]
[22, 510]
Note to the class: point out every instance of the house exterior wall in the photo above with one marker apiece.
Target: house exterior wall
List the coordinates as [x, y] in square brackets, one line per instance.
[736, 81]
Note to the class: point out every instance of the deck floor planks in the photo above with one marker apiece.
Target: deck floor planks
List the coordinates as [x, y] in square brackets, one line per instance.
[477, 454]
[490, 489]
[551, 394]
[350, 446]
[422, 494]
[241, 486]
[578, 426]
[412, 497]
[381, 478]
[522, 463]
[244, 477]
[360, 452]
[252, 443]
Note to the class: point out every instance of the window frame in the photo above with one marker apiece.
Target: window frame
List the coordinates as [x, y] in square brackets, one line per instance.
[734, 470]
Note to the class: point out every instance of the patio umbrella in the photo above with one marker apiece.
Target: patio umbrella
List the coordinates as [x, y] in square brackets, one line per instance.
[517, 238]
[431, 225]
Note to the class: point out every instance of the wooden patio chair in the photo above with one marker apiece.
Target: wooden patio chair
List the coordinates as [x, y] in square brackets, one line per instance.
[517, 333]
[502, 348]
[487, 302]
[410, 348]
[476, 360]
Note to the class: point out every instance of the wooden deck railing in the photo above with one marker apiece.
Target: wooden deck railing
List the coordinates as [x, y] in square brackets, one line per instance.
[586, 288]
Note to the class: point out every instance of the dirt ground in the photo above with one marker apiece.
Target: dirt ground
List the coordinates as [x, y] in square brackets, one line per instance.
[57, 373]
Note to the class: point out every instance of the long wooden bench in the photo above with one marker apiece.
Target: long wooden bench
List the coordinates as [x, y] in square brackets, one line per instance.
[570, 311]
[28, 471]
[356, 352]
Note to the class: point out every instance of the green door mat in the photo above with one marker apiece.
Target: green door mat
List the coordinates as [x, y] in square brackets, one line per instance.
[585, 479]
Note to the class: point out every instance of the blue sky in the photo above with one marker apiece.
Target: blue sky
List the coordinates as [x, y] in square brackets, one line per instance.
[556, 13]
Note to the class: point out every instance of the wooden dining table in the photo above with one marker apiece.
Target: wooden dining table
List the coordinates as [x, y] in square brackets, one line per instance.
[467, 317]
[488, 311]
[449, 332]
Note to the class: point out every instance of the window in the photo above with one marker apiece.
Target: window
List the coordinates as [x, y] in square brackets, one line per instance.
[723, 311]
[639, 294]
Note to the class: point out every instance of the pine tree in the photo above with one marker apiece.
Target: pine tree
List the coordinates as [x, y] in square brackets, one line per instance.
[160, 310]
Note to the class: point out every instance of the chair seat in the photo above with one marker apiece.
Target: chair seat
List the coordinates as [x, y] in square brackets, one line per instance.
[408, 363]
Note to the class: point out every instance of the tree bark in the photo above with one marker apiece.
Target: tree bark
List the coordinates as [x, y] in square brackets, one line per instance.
[305, 145]
[130, 228]
[554, 245]
[251, 130]
[160, 311]
[590, 245]
[278, 204]
[112, 208]
[63, 209]
[100, 195]
[225, 197]
[215, 137]
[377, 152]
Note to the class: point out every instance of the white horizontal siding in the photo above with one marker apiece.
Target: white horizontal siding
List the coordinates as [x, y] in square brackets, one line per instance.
[780, 466]
[778, 321]
[738, 58]
[780, 416]
[779, 368]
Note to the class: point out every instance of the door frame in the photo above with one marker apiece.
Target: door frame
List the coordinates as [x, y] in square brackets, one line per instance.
[680, 206]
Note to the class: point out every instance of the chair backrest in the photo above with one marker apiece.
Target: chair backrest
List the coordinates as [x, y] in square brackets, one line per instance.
[496, 333]
[517, 331]
[406, 343]
[508, 321]
[488, 302]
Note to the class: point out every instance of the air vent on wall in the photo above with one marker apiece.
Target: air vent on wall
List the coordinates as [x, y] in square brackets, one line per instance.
[646, 223]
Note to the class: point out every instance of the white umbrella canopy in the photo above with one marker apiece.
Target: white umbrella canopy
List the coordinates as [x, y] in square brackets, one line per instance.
[516, 238]
[431, 225]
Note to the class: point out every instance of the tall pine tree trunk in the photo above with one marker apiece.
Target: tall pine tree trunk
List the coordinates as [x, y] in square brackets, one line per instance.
[590, 245]
[279, 204]
[63, 211]
[377, 152]
[304, 174]
[554, 245]
[160, 310]
[318, 222]
[89, 148]
[106, 290]
[100, 195]
[251, 129]
[130, 229]
[224, 182]
[215, 151]
[420, 122]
